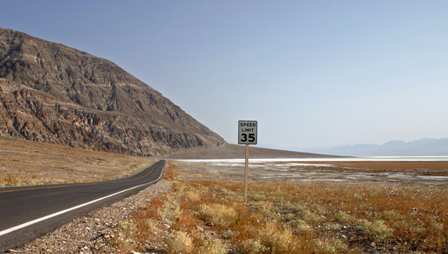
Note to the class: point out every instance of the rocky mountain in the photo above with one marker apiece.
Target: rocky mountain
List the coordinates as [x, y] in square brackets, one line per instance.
[419, 147]
[53, 93]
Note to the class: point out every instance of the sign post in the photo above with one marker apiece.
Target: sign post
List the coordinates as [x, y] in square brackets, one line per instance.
[246, 172]
[247, 135]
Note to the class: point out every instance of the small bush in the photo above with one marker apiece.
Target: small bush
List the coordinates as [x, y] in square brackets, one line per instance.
[218, 214]
[127, 227]
[179, 242]
[192, 196]
[377, 229]
[343, 217]
[301, 226]
[311, 217]
[253, 246]
[171, 210]
[9, 180]
[152, 225]
[258, 196]
[277, 239]
[215, 246]
[125, 239]
[392, 215]
[331, 246]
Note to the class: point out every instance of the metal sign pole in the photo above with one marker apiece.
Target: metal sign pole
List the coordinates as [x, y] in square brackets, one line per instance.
[246, 173]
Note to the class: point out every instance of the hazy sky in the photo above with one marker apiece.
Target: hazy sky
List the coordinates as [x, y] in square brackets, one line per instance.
[314, 73]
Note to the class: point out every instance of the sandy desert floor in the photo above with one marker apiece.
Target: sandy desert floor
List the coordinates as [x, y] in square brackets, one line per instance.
[32, 163]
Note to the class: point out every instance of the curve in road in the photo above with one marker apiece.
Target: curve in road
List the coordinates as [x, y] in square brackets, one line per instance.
[29, 212]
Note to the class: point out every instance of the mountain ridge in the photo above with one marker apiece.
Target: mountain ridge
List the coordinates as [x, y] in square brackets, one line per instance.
[54, 93]
[418, 147]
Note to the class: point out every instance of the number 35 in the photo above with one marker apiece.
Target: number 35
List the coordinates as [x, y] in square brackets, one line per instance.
[245, 137]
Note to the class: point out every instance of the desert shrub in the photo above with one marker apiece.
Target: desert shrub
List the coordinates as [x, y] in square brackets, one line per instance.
[171, 210]
[151, 224]
[215, 246]
[278, 240]
[225, 192]
[289, 217]
[312, 217]
[146, 228]
[297, 210]
[192, 196]
[218, 214]
[8, 180]
[227, 234]
[438, 227]
[253, 246]
[377, 229]
[392, 215]
[301, 226]
[126, 233]
[127, 228]
[179, 242]
[265, 208]
[258, 196]
[344, 217]
[331, 246]
[169, 172]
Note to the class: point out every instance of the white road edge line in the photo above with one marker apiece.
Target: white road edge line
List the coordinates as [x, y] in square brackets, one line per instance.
[29, 223]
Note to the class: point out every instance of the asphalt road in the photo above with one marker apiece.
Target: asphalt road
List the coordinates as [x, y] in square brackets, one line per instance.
[29, 212]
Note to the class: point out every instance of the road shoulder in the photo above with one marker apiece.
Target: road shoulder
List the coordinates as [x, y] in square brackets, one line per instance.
[95, 232]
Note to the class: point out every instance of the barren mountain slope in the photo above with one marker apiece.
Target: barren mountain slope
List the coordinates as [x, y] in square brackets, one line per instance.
[53, 93]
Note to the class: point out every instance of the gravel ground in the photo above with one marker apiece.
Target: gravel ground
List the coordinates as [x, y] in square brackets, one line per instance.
[95, 232]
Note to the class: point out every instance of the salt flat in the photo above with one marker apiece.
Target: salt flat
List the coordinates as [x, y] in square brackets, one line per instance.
[398, 169]
[335, 159]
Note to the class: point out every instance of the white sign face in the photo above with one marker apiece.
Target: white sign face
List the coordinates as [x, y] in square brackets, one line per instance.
[247, 132]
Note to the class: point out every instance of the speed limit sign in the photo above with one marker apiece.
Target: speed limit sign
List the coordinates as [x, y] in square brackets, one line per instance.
[247, 132]
[247, 135]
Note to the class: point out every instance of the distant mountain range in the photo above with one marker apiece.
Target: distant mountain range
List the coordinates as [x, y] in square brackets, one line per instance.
[423, 147]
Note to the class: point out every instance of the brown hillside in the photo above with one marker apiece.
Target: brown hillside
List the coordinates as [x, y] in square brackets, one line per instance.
[53, 93]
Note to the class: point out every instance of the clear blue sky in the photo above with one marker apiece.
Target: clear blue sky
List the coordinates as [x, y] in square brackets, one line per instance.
[314, 73]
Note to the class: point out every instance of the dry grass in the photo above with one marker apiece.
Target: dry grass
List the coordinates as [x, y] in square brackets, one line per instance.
[180, 242]
[31, 163]
[217, 214]
[208, 216]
